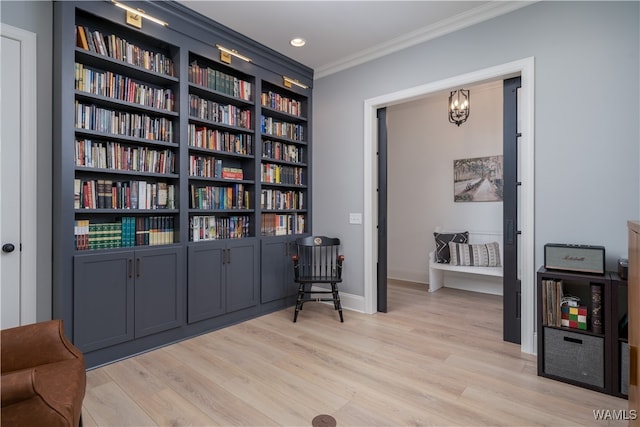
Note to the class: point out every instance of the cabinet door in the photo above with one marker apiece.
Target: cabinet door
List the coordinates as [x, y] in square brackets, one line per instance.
[241, 263]
[290, 286]
[206, 281]
[276, 272]
[158, 296]
[103, 300]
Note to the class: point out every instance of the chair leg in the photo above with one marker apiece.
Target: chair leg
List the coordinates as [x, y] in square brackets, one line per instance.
[298, 302]
[336, 300]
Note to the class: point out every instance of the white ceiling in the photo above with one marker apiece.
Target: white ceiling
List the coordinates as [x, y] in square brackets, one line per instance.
[342, 34]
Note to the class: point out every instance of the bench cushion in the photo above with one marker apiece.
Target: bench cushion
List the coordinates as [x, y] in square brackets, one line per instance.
[480, 254]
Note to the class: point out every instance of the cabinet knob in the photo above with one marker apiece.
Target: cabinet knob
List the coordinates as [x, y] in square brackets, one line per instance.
[8, 247]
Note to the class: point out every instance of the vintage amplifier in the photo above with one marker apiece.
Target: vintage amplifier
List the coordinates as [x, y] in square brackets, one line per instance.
[579, 258]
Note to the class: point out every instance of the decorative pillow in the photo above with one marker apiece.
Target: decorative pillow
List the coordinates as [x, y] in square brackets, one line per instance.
[479, 255]
[442, 244]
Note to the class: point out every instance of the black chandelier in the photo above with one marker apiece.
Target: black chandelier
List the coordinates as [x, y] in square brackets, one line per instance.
[458, 106]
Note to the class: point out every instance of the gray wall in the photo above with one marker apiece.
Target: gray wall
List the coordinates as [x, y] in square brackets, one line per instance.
[37, 17]
[586, 120]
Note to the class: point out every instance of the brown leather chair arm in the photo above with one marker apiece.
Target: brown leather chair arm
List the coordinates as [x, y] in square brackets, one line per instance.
[36, 344]
[17, 386]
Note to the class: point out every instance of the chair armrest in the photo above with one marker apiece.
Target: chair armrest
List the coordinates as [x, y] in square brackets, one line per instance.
[17, 386]
[339, 262]
[432, 256]
[296, 270]
[36, 344]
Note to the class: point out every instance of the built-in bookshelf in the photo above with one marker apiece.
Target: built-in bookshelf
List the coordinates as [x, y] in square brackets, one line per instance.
[126, 141]
[283, 168]
[181, 177]
[221, 151]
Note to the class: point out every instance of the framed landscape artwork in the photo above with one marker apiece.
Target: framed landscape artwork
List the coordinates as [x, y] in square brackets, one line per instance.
[478, 179]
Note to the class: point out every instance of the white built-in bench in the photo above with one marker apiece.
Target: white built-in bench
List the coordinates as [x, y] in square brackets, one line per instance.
[437, 270]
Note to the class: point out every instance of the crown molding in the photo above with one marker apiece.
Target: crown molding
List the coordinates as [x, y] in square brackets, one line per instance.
[466, 19]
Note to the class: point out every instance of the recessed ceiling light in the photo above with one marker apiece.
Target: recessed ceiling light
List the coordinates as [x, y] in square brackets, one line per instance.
[298, 42]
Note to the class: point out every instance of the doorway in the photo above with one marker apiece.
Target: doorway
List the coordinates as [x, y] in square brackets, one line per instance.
[525, 69]
[18, 176]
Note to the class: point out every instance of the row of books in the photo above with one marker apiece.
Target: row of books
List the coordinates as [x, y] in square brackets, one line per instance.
[281, 174]
[116, 156]
[281, 103]
[280, 151]
[277, 199]
[214, 227]
[211, 167]
[106, 194]
[219, 113]
[92, 117]
[271, 126]
[213, 139]
[552, 302]
[217, 80]
[122, 88]
[127, 232]
[282, 224]
[211, 197]
[118, 48]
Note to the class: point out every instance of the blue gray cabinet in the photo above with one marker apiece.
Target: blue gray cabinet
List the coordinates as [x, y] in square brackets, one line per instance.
[223, 277]
[206, 281]
[277, 269]
[158, 294]
[126, 295]
[104, 284]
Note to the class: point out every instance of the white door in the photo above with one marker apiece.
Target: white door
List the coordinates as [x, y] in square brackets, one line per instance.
[17, 183]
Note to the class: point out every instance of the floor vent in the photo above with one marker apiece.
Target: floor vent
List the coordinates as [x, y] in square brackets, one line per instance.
[323, 421]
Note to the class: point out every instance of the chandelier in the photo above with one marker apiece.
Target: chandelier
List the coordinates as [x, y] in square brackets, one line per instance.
[458, 106]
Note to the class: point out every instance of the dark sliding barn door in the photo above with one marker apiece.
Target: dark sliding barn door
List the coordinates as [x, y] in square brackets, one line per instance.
[511, 281]
[382, 210]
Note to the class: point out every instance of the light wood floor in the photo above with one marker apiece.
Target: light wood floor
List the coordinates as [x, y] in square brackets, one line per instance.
[434, 359]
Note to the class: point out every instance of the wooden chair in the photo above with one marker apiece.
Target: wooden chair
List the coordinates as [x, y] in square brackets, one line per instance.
[317, 261]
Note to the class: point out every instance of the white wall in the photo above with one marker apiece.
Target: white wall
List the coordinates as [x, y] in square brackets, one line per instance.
[587, 147]
[422, 146]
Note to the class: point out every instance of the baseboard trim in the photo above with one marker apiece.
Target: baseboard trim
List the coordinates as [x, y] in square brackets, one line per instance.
[407, 282]
[405, 276]
[349, 301]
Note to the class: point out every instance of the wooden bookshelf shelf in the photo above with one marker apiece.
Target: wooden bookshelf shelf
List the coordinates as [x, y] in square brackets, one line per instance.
[581, 356]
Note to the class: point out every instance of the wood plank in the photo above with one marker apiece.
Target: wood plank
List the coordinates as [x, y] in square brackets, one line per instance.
[109, 405]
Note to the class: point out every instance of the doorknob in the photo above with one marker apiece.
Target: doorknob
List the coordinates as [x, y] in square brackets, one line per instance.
[8, 247]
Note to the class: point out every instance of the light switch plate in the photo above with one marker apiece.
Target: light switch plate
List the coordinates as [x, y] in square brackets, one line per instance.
[355, 218]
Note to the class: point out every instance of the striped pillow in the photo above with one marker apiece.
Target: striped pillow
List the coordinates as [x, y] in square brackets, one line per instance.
[478, 255]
